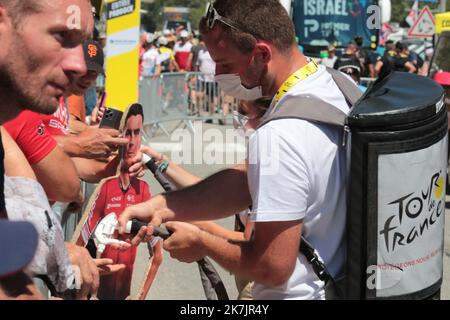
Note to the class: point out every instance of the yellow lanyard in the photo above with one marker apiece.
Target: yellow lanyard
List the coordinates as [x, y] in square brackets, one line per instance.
[296, 77]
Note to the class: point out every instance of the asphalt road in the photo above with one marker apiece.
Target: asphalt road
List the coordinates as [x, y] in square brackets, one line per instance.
[180, 281]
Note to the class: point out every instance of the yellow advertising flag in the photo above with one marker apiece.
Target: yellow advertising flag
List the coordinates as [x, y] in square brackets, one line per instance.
[122, 52]
[442, 22]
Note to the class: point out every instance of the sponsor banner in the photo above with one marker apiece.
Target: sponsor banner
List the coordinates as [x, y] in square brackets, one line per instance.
[411, 210]
[120, 8]
[123, 42]
[320, 22]
[122, 53]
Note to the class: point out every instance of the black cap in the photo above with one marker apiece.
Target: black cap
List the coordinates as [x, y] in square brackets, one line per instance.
[93, 55]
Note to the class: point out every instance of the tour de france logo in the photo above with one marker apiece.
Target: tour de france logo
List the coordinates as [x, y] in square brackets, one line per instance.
[414, 214]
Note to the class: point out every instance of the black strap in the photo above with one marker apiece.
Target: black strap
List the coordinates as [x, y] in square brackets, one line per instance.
[46, 280]
[348, 88]
[238, 225]
[318, 266]
[211, 281]
[312, 108]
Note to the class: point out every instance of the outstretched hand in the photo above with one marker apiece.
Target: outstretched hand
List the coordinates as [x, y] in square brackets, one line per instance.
[145, 212]
[100, 143]
[106, 266]
[185, 244]
[137, 168]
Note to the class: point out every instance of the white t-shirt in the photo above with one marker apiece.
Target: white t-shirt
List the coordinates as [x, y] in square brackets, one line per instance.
[180, 47]
[181, 52]
[207, 66]
[297, 172]
[149, 62]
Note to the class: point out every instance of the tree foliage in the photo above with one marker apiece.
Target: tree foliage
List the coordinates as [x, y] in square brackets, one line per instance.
[400, 8]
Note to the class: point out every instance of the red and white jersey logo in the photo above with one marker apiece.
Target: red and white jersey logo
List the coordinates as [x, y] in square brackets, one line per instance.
[58, 122]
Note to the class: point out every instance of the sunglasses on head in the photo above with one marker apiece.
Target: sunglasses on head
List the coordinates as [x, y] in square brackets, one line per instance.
[212, 16]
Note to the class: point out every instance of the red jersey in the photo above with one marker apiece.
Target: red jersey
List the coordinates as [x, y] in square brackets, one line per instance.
[182, 53]
[141, 55]
[31, 135]
[58, 123]
[112, 199]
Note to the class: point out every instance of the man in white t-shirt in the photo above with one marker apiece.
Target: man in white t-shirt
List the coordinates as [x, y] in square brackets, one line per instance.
[295, 176]
[149, 58]
[330, 60]
[206, 66]
[208, 91]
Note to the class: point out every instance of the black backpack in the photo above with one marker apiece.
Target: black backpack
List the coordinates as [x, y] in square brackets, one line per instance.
[401, 117]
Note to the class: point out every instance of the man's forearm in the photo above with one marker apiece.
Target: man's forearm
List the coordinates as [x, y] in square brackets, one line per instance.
[219, 231]
[238, 258]
[76, 125]
[260, 258]
[70, 145]
[180, 176]
[92, 171]
[219, 196]
[65, 184]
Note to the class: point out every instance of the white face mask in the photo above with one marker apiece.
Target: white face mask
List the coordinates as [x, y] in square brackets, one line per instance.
[231, 84]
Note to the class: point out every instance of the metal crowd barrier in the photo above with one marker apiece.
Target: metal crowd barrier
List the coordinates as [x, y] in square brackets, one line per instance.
[70, 219]
[183, 97]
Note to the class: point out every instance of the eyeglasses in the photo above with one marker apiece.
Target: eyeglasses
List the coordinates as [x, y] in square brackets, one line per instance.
[239, 119]
[212, 16]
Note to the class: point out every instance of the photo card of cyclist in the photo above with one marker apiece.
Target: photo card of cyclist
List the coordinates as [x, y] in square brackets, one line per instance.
[97, 229]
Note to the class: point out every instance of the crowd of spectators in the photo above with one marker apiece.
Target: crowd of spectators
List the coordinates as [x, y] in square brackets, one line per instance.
[359, 62]
[179, 51]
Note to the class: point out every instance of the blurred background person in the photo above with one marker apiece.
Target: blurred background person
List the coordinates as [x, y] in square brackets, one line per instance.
[330, 60]
[348, 57]
[181, 50]
[208, 90]
[149, 58]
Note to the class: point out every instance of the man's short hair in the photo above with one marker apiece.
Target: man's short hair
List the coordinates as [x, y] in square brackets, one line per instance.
[263, 104]
[400, 46]
[352, 44]
[256, 20]
[135, 110]
[390, 45]
[19, 9]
